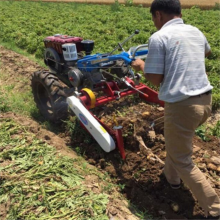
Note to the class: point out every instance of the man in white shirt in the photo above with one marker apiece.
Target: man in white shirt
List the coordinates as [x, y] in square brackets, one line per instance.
[176, 63]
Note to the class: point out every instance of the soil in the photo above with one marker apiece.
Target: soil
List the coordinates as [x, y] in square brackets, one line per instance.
[139, 175]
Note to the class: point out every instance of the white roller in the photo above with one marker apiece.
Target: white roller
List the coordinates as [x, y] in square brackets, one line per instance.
[93, 126]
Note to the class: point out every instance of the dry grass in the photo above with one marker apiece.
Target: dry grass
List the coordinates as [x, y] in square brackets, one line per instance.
[206, 4]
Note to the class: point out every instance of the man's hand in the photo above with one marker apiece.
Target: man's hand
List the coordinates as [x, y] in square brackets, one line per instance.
[208, 53]
[138, 65]
[155, 79]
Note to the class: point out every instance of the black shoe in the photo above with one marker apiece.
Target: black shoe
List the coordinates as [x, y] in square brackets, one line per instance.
[175, 186]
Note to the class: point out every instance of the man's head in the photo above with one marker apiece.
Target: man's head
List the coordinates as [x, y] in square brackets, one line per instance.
[165, 10]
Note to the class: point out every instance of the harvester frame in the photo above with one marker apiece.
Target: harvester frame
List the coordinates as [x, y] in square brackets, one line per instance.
[76, 79]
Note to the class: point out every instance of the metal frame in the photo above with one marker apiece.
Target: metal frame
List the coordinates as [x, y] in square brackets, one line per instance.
[113, 92]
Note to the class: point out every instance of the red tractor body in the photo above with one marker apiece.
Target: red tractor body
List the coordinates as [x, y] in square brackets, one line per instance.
[58, 40]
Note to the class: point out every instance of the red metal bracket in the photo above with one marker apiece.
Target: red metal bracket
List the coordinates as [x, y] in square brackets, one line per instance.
[112, 92]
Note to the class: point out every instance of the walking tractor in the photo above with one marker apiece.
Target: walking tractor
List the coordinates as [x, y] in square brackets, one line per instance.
[82, 81]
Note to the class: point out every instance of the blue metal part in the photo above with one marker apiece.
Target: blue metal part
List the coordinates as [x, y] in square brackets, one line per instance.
[91, 62]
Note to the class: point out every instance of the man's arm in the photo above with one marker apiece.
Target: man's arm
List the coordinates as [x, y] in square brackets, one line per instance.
[208, 53]
[155, 79]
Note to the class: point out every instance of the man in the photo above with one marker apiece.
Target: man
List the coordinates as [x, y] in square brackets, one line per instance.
[176, 62]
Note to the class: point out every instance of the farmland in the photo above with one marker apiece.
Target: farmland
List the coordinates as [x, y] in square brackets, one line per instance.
[34, 175]
[27, 24]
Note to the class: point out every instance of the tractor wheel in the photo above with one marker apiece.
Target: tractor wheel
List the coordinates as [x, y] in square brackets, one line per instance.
[49, 96]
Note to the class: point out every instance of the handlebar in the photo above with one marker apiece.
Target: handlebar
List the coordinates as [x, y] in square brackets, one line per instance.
[127, 39]
[140, 53]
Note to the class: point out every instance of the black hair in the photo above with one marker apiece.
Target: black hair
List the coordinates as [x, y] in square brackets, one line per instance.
[167, 6]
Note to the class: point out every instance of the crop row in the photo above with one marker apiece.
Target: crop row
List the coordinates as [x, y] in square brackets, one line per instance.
[26, 24]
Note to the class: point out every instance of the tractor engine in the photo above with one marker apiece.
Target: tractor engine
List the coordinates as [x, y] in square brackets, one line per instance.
[62, 53]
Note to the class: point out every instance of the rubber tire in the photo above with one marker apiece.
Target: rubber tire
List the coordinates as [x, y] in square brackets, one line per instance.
[49, 96]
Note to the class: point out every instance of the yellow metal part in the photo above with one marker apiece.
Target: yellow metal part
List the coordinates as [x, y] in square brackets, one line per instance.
[91, 96]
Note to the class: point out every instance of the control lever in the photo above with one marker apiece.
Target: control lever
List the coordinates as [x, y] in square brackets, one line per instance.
[130, 86]
[127, 39]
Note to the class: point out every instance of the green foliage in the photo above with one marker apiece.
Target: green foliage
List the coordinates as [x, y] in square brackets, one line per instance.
[217, 6]
[216, 130]
[142, 214]
[216, 101]
[202, 132]
[21, 102]
[75, 130]
[116, 7]
[129, 2]
[36, 183]
[26, 24]
[4, 105]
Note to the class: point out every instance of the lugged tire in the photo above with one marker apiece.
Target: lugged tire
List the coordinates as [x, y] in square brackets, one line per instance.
[49, 96]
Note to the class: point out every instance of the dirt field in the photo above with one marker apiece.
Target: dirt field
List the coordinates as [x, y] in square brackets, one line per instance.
[140, 174]
[206, 4]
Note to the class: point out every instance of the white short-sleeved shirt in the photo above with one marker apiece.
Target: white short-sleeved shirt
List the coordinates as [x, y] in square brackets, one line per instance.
[178, 52]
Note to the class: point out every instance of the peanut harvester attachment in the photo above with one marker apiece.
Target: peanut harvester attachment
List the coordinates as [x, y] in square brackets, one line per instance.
[82, 81]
